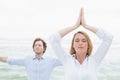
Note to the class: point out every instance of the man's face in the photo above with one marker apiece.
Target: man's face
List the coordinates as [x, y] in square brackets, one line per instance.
[38, 47]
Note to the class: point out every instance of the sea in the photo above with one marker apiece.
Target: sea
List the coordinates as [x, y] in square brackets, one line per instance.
[108, 70]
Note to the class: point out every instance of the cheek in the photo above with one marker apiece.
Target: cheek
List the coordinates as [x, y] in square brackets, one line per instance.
[86, 46]
[74, 45]
[38, 48]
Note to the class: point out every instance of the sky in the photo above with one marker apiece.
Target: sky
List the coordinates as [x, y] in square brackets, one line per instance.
[34, 18]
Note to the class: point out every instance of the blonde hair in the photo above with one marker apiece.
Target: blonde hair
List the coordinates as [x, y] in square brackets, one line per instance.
[90, 45]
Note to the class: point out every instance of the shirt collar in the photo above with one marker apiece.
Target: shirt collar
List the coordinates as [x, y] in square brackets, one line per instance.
[34, 57]
[74, 55]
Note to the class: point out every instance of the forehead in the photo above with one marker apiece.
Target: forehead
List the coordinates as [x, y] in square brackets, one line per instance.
[38, 42]
[80, 36]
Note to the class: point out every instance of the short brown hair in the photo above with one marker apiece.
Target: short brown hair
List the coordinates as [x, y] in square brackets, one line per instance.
[44, 43]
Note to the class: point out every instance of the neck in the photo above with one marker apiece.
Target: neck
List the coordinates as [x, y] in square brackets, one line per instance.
[81, 57]
[38, 56]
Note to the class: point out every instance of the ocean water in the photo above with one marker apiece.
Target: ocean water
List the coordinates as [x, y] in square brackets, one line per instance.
[108, 70]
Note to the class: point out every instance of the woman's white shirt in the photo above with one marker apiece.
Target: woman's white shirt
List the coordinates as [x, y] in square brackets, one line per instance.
[88, 69]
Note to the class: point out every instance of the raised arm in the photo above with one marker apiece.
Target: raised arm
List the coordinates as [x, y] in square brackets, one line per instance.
[3, 59]
[67, 30]
[103, 35]
[86, 26]
[55, 40]
[80, 21]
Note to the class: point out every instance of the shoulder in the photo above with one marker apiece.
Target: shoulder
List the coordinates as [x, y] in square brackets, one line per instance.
[49, 58]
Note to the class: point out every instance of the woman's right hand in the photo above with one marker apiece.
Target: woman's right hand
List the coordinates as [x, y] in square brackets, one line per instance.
[82, 18]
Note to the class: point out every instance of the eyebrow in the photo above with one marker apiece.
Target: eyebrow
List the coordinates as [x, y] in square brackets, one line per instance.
[79, 39]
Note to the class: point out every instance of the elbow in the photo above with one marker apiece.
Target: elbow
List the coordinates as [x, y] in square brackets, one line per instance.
[55, 38]
[109, 39]
[51, 39]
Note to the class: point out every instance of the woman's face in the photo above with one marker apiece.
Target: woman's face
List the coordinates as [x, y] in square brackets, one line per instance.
[38, 47]
[80, 44]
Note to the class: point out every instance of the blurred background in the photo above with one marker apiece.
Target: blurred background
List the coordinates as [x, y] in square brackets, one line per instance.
[21, 21]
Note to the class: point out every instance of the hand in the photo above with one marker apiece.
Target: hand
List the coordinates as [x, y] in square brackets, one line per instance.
[82, 19]
[78, 20]
[3, 59]
[83, 23]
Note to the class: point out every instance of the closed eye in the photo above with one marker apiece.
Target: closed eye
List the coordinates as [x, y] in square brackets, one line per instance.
[84, 40]
[77, 40]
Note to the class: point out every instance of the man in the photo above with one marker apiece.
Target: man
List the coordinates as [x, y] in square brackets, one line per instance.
[38, 67]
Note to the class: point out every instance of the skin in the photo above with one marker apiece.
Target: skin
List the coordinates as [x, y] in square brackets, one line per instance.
[80, 45]
[80, 52]
[38, 49]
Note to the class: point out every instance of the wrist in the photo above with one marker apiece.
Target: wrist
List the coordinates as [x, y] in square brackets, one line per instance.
[84, 25]
[76, 25]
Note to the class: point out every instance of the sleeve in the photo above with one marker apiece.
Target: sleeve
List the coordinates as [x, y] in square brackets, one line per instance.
[106, 39]
[55, 41]
[57, 62]
[19, 62]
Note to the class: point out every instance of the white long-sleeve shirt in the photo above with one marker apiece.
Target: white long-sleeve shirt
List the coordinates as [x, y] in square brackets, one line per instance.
[88, 69]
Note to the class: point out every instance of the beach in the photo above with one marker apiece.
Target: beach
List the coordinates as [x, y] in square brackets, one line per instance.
[108, 70]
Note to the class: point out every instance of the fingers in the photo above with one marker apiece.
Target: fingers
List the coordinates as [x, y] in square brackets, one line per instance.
[83, 23]
[80, 20]
[81, 16]
[82, 12]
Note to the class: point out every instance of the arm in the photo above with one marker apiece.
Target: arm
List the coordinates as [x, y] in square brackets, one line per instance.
[80, 21]
[12, 61]
[16, 61]
[67, 30]
[86, 26]
[55, 41]
[102, 50]
[3, 59]
[105, 36]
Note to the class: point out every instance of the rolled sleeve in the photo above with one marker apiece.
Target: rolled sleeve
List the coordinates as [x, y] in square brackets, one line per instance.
[19, 62]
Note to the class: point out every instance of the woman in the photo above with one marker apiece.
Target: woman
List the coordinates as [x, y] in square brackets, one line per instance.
[82, 65]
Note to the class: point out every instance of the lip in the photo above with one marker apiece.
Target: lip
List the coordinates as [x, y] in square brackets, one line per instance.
[80, 47]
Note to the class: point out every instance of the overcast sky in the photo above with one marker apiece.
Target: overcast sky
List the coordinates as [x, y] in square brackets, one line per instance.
[33, 18]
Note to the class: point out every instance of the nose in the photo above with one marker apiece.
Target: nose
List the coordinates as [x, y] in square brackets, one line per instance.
[80, 42]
